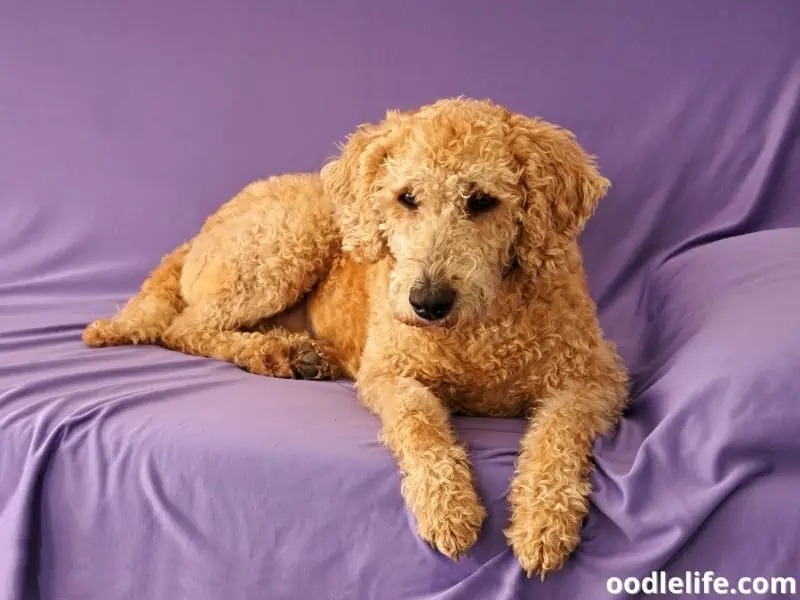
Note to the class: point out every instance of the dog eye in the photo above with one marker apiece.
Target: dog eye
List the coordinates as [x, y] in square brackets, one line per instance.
[408, 200]
[480, 203]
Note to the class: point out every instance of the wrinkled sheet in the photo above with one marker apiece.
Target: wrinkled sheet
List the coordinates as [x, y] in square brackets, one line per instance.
[140, 473]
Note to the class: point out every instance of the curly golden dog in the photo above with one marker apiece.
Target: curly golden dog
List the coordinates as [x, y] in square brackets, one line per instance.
[435, 262]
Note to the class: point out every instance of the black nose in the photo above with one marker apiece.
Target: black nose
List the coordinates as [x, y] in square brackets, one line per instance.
[432, 302]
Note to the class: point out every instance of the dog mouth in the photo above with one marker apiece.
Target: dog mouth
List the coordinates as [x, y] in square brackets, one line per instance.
[445, 324]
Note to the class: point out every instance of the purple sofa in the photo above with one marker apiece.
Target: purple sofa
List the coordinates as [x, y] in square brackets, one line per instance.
[141, 474]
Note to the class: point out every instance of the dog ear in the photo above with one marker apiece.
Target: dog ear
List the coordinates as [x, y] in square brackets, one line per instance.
[349, 181]
[563, 187]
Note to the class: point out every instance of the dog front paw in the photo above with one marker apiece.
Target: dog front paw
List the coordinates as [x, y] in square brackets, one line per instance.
[546, 524]
[443, 499]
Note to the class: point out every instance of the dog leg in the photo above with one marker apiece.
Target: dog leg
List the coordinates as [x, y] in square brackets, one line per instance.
[437, 482]
[549, 496]
[208, 331]
[147, 314]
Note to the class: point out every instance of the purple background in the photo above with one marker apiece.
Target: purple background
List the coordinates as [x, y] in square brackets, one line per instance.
[140, 473]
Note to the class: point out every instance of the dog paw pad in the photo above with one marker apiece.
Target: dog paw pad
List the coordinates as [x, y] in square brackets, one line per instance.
[308, 363]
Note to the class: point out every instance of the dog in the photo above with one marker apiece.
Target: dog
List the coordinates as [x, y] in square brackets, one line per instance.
[435, 261]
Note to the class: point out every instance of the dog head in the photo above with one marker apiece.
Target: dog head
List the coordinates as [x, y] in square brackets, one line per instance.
[460, 193]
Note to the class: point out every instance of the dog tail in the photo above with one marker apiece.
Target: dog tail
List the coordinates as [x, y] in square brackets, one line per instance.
[148, 314]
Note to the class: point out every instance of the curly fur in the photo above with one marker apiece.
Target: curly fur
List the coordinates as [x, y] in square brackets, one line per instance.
[309, 276]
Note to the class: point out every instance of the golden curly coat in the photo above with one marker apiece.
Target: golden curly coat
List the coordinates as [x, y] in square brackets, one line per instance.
[435, 262]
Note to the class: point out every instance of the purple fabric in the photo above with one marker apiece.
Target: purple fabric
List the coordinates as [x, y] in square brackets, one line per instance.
[144, 474]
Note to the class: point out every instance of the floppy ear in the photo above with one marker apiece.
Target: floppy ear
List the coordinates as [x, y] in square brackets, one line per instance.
[563, 189]
[349, 181]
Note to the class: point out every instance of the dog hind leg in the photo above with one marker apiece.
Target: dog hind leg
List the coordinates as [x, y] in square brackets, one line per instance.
[269, 247]
[210, 331]
[145, 316]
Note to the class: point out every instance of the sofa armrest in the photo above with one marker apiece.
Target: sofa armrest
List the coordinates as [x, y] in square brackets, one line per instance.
[713, 432]
[730, 309]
